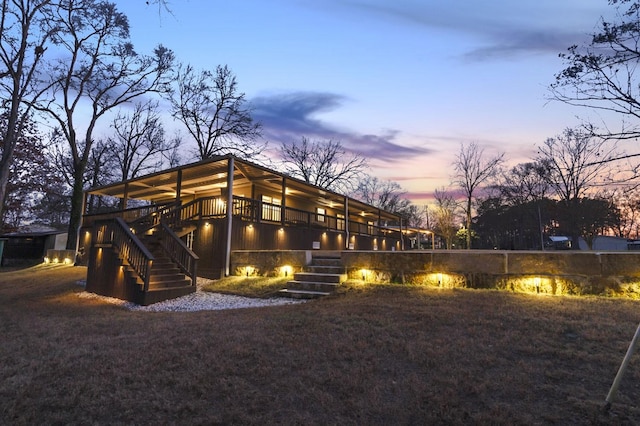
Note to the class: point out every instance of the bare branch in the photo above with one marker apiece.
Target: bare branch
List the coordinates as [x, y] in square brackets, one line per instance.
[323, 163]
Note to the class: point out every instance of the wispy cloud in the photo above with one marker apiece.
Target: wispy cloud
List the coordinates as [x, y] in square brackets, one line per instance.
[513, 43]
[502, 29]
[287, 117]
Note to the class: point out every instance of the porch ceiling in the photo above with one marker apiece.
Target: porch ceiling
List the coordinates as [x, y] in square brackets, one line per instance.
[209, 175]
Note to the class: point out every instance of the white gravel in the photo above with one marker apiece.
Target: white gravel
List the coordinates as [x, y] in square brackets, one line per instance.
[198, 301]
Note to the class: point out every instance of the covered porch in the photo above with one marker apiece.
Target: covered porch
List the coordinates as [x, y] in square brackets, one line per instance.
[269, 211]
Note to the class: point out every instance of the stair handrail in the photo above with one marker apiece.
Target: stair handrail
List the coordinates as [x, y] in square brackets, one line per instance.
[116, 232]
[144, 223]
[178, 251]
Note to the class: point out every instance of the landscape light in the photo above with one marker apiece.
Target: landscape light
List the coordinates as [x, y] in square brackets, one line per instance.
[286, 270]
[365, 274]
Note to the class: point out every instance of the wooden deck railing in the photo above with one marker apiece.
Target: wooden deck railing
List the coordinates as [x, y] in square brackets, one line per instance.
[116, 233]
[246, 209]
[129, 215]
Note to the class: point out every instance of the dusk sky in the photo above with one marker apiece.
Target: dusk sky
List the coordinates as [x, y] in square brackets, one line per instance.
[401, 82]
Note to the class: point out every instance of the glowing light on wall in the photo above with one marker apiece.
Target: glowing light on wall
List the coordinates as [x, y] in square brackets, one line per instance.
[366, 274]
[286, 270]
[249, 270]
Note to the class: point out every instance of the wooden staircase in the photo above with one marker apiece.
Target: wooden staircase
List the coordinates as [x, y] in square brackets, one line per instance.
[166, 280]
[320, 278]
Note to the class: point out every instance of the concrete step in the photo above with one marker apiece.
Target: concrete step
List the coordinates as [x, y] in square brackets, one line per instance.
[303, 294]
[318, 277]
[312, 286]
[321, 269]
[326, 261]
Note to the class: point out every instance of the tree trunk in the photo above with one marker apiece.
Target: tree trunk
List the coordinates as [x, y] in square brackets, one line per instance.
[9, 145]
[5, 164]
[469, 223]
[77, 199]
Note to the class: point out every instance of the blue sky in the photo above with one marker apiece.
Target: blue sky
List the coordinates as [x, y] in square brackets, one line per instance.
[403, 82]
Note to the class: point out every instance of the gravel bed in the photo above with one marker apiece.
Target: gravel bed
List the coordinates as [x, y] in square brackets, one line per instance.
[198, 301]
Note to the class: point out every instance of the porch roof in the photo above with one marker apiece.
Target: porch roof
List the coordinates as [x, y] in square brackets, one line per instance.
[206, 177]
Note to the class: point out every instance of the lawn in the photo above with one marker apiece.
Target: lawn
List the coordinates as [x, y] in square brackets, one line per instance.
[374, 355]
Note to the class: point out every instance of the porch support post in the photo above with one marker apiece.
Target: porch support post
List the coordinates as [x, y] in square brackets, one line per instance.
[346, 221]
[227, 255]
[125, 197]
[85, 201]
[283, 202]
[256, 204]
[179, 186]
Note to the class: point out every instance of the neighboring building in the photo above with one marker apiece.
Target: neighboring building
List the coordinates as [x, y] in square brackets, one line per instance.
[606, 243]
[558, 242]
[30, 244]
[185, 210]
[600, 242]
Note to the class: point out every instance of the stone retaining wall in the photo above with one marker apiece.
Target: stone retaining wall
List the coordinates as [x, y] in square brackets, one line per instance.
[550, 272]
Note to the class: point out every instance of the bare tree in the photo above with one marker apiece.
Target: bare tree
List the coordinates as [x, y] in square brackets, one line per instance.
[215, 113]
[22, 46]
[445, 215]
[139, 144]
[390, 196]
[577, 162]
[601, 75]
[385, 194]
[525, 182]
[473, 170]
[323, 163]
[98, 71]
[627, 200]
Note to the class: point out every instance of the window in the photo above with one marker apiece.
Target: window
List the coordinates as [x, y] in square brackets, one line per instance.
[271, 208]
[320, 212]
[340, 223]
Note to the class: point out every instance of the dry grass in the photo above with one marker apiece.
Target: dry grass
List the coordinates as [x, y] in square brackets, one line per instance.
[260, 287]
[375, 355]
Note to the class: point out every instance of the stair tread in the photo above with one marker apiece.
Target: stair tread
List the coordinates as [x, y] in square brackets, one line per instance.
[314, 282]
[323, 293]
[157, 289]
[324, 274]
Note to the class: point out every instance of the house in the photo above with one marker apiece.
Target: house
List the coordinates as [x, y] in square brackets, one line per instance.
[30, 244]
[179, 218]
[558, 242]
